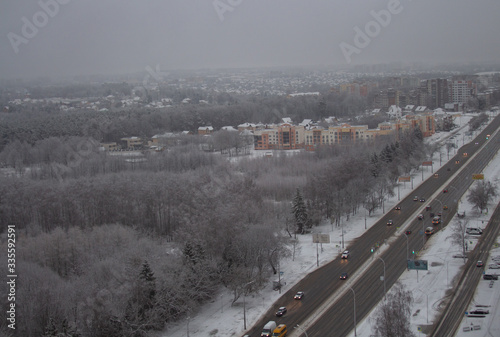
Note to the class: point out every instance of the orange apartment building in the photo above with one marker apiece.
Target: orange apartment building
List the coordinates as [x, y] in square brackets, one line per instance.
[287, 136]
[282, 137]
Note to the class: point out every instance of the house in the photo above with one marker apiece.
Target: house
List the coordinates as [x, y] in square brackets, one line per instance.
[131, 142]
[205, 130]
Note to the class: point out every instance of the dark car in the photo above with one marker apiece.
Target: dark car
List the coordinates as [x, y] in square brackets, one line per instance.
[281, 311]
[422, 200]
[344, 276]
[445, 191]
[479, 311]
[408, 232]
[490, 277]
[397, 208]
[432, 215]
[298, 295]
[390, 222]
[479, 264]
[428, 207]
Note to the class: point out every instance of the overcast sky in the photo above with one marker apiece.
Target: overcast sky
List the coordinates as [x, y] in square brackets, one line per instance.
[124, 36]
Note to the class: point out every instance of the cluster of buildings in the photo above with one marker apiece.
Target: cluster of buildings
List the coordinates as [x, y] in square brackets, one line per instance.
[309, 136]
[449, 94]
[289, 136]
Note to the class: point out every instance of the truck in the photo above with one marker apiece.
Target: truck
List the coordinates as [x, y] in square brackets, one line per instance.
[268, 329]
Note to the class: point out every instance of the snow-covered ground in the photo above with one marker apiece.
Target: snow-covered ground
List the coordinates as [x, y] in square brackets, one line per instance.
[220, 319]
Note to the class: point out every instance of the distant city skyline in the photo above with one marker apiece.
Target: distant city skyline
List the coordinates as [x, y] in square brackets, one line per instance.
[57, 38]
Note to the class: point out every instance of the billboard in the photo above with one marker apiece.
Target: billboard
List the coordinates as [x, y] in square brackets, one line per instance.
[478, 176]
[427, 163]
[417, 264]
[404, 179]
[321, 238]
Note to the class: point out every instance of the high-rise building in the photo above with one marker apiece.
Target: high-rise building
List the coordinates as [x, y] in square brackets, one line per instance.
[437, 92]
[462, 90]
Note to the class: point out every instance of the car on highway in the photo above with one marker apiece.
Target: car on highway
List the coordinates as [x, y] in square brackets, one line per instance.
[390, 222]
[428, 207]
[408, 232]
[436, 220]
[281, 311]
[457, 162]
[479, 263]
[422, 199]
[397, 208]
[415, 198]
[445, 191]
[298, 295]
[344, 276]
[420, 217]
[429, 231]
[345, 254]
[445, 207]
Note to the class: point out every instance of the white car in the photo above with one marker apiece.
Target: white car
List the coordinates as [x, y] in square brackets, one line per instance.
[493, 266]
[345, 254]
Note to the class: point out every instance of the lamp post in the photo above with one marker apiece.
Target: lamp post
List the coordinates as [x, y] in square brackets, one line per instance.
[384, 272]
[407, 248]
[302, 329]
[244, 308]
[354, 299]
[427, 303]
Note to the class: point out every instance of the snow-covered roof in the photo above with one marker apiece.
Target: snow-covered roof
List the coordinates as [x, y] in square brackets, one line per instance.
[228, 128]
[421, 108]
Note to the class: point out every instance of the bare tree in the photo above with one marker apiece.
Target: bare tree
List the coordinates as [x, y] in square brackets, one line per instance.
[458, 236]
[392, 319]
[481, 193]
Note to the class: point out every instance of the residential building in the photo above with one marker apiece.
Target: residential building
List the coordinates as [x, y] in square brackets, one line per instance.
[131, 142]
[462, 91]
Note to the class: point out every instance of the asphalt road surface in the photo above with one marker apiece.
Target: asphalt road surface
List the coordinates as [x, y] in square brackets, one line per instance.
[327, 308]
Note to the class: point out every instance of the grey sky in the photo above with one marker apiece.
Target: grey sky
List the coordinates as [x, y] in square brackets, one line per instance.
[123, 36]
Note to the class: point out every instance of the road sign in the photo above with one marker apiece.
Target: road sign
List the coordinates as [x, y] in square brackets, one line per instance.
[417, 264]
[427, 163]
[478, 176]
[402, 179]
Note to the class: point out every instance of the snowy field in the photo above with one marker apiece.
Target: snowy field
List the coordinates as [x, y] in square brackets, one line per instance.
[220, 319]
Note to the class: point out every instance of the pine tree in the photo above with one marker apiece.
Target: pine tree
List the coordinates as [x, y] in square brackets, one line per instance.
[300, 212]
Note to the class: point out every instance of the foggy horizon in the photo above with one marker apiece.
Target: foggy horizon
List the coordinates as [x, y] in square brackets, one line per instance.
[58, 38]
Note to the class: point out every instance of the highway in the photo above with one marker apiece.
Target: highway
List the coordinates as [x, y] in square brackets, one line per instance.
[327, 307]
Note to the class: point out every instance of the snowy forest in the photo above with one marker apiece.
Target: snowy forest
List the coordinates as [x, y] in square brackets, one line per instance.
[106, 247]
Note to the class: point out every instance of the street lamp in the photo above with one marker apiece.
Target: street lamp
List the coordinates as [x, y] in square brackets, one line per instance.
[384, 272]
[302, 329]
[427, 303]
[354, 299]
[244, 308]
[407, 249]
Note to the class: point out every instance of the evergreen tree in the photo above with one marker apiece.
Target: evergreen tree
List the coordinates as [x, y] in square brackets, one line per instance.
[299, 211]
[375, 165]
